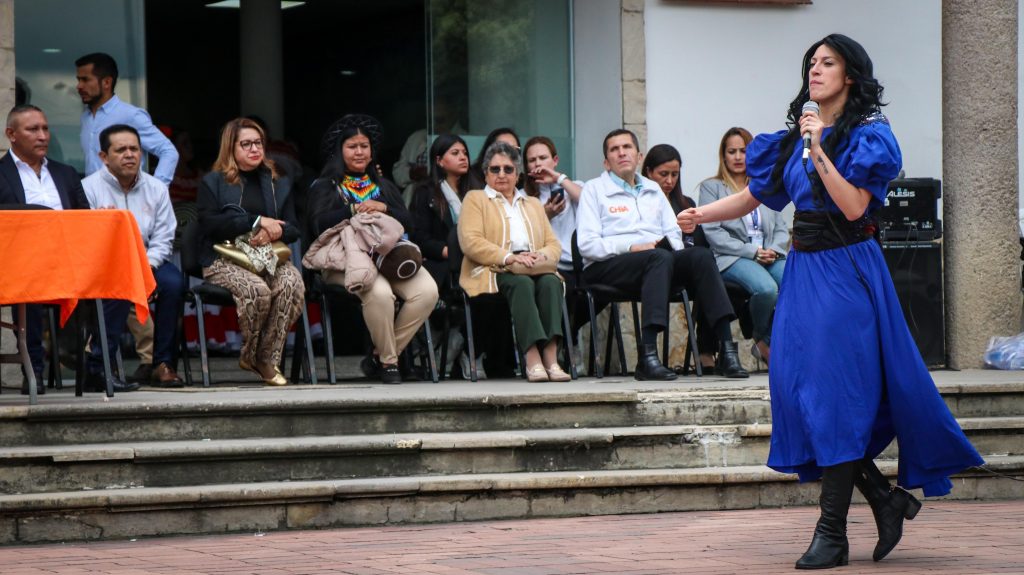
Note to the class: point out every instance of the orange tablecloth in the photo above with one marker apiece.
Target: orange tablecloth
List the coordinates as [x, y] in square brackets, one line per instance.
[59, 257]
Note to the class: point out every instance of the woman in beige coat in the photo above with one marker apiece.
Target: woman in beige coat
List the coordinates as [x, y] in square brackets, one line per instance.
[510, 248]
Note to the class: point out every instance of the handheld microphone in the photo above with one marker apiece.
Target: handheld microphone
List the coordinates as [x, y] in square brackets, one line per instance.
[809, 106]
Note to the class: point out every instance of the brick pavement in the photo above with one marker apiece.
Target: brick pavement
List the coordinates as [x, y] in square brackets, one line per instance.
[947, 537]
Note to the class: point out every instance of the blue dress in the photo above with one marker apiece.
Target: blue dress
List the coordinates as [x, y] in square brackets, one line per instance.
[846, 376]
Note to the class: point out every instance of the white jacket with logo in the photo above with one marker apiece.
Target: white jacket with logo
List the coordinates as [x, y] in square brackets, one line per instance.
[609, 219]
[148, 201]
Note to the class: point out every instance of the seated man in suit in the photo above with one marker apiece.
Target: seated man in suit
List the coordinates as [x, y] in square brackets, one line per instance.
[27, 176]
[122, 185]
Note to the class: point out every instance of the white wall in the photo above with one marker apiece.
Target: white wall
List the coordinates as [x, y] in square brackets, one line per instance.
[713, 67]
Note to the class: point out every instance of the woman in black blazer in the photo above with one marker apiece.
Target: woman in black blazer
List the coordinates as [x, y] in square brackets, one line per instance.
[243, 195]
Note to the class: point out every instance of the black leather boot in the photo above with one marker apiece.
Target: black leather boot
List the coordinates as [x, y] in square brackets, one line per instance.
[830, 548]
[889, 505]
[649, 367]
[728, 363]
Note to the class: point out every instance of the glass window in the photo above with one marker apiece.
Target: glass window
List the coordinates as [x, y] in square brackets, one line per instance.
[497, 63]
[51, 35]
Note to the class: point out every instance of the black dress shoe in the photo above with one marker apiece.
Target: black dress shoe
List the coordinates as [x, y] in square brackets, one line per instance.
[40, 385]
[650, 368]
[95, 382]
[729, 361]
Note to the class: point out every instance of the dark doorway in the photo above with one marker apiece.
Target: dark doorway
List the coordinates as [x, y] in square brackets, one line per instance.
[340, 56]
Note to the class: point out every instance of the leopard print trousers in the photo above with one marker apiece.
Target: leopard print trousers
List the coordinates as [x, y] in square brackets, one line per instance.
[267, 306]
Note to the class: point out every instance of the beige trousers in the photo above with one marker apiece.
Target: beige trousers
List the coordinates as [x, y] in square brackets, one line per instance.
[143, 334]
[391, 333]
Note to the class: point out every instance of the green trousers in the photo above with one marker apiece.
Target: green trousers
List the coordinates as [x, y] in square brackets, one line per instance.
[536, 306]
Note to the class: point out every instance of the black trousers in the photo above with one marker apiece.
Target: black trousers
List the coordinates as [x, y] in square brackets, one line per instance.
[654, 274]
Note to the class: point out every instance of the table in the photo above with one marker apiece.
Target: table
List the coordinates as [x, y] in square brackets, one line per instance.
[60, 257]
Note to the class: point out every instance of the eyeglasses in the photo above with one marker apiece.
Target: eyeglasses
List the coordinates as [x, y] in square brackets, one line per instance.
[509, 170]
[249, 144]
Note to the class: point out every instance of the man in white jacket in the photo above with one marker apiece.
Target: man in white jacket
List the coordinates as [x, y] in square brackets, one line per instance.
[629, 239]
[122, 185]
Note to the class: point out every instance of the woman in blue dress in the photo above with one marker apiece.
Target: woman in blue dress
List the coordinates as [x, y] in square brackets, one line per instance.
[846, 376]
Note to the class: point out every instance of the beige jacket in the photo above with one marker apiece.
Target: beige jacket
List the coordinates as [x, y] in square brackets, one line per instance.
[484, 238]
[346, 247]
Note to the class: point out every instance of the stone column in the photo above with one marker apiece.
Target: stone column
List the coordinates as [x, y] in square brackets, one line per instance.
[979, 148]
[262, 81]
[634, 70]
[8, 373]
[6, 62]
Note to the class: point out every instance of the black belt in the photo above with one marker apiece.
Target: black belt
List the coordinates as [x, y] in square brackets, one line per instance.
[813, 232]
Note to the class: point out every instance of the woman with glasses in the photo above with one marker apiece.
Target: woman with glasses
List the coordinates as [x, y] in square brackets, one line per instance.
[244, 195]
[510, 249]
[750, 250]
[350, 184]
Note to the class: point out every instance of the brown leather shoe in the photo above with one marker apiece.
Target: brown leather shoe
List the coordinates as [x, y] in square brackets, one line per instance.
[165, 376]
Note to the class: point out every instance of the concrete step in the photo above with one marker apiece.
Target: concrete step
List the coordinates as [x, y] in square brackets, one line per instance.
[152, 511]
[180, 463]
[422, 408]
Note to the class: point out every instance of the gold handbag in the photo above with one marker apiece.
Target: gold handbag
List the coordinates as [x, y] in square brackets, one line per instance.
[233, 254]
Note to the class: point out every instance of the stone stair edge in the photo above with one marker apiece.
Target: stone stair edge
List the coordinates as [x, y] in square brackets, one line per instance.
[423, 441]
[446, 441]
[339, 404]
[130, 499]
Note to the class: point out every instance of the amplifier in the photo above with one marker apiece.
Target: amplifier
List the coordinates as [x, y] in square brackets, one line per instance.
[911, 210]
[916, 269]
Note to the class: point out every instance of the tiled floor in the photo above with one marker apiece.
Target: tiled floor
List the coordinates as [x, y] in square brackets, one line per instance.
[947, 537]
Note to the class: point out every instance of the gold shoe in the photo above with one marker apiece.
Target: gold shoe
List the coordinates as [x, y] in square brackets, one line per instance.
[277, 379]
[242, 363]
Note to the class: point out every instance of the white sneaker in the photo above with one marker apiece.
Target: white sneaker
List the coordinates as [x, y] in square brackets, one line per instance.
[464, 362]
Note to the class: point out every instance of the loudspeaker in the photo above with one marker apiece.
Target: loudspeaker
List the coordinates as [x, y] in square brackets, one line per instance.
[911, 210]
[916, 269]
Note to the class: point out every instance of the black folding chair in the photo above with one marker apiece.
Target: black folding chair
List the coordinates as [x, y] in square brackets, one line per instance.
[207, 293]
[605, 293]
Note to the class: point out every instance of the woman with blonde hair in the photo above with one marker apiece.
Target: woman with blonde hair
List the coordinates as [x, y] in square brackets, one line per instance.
[750, 251]
[244, 198]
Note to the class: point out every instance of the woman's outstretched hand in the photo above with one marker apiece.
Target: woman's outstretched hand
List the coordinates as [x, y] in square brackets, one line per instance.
[688, 219]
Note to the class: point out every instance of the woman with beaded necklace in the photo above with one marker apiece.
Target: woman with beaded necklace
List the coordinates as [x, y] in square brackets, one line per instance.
[351, 184]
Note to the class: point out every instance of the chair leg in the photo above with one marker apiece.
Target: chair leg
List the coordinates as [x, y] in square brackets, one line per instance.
[102, 322]
[612, 333]
[520, 361]
[636, 329]
[621, 348]
[297, 371]
[431, 359]
[444, 341]
[204, 357]
[567, 328]
[80, 359]
[183, 346]
[54, 375]
[691, 345]
[595, 360]
[325, 314]
[310, 361]
[469, 339]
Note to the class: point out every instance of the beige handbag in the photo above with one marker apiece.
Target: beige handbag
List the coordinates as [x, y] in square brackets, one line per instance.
[235, 255]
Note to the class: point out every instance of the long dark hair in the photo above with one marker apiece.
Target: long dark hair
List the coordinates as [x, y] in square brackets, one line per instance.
[439, 148]
[657, 156]
[334, 168]
[478, 165]
[863, 99]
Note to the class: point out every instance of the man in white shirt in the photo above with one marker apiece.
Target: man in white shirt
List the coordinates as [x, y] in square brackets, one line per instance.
[122, 185]
[28, 177]
[629, 239]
